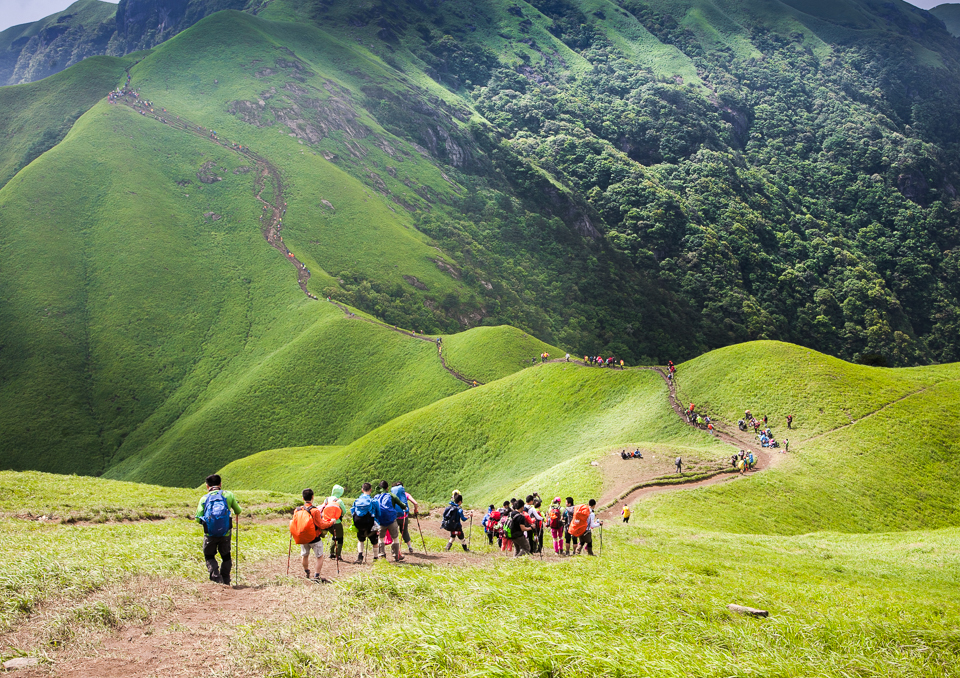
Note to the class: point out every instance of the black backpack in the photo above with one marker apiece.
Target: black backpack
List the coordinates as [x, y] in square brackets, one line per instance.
[451, 519]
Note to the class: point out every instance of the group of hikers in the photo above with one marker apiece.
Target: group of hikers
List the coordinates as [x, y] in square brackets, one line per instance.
[636, 454]
[383, 519]
[762, 431]
[600, 361]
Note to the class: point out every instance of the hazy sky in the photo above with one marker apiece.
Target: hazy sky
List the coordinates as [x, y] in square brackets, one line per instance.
[13, 12]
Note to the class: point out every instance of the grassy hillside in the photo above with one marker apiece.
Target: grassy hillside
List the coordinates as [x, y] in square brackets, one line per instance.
[36, 117]
[872, 449]
[490, 353]
[488, 440]
[949, 14]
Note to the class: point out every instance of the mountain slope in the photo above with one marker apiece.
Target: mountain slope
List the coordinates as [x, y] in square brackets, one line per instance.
[949, 14]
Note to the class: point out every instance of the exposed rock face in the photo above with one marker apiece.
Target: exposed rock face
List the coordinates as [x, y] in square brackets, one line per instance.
[87, 29]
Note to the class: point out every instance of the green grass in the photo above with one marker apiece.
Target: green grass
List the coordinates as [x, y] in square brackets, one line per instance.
[654, 605]
[490, 353]
[36, 116]
[282, 470]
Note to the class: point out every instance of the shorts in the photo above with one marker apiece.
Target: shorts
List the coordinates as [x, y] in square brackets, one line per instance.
[456, 534]
[567, 537]
[390, 529]
[586, 538]
[317, 547]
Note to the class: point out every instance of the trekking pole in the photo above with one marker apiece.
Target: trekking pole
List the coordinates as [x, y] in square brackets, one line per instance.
[237, 571]
[289, 551]
[417, 516]
[600, 555]
[470, 534]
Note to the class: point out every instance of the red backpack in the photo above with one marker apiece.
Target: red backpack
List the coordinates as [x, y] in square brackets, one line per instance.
[580, 520]
[555, 520]
[302, 528]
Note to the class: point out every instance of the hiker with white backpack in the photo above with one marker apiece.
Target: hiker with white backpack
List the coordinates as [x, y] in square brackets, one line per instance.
[214, 513]
[336, 532]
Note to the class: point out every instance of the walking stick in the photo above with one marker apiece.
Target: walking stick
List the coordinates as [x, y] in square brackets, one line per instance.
[600, 555]
[289, 551]
[237, 571]
[417, 516]
[470, 534]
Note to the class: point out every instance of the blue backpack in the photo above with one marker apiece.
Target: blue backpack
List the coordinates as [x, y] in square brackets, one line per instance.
[384, 510]
[363, 506]
[216, 515]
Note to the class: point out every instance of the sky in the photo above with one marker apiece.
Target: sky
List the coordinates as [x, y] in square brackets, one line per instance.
[13, 12]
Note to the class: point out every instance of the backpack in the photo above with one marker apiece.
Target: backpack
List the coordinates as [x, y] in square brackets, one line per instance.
[555, 518]
[493, 520]
[330, 513]
[384, 510]
[506, 522]
[580, 520]
[302, 528]
[216, 515]
[451, 519]
[363, 506]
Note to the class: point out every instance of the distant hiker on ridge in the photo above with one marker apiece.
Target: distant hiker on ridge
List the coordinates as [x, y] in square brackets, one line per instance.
[213, 513]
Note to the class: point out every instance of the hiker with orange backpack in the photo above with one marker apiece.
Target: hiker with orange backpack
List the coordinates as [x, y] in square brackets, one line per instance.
[453, 517]
[308, 528]
[385, 507]
[586, 536]
[214, 513]
[579, 524]
[336, 532]
[363, 520]
[555, 520]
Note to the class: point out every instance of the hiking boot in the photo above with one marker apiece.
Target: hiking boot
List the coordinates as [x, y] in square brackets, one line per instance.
[465, 547]
[410, 548]
[447, 547]
[398, 558]
[359, 558]
[306, 573]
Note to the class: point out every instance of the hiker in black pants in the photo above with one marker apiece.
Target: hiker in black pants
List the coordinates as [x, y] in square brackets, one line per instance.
[336, 532]
[214, 513]
[679, 463]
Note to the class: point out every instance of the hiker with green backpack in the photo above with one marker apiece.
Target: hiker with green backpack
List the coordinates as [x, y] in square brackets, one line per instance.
[453, 517]
[214, 513]
[336, 532]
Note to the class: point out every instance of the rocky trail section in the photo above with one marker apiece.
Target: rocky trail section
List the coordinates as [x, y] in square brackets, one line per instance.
[268, 180]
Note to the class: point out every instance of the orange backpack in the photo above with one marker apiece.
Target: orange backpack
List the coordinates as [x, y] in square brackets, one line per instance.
[580, 520]
[302, 528]
[330, 513]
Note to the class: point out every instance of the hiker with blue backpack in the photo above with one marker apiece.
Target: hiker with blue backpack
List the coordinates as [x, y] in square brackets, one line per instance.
[363, 520]
[453, 517]
[403, 520]
[385, 512]
[214, 513]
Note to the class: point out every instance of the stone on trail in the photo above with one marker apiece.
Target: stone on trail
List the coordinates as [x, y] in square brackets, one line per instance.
[752, 611]
[20, 663]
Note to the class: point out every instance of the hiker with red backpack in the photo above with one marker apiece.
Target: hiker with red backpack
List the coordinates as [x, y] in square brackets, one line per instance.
[453, 517]
[555, 520]
[308, 527]
[336, 532]
[363, 520]
[385, 512]
[503, 528]
[214, 513]
[489, 523]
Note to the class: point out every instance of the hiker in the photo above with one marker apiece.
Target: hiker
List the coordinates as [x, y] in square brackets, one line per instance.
[750, 460]
[503, 529]
[453, 517]
[555, 521]
[403, 520]
[214, 513]
[536, 519]
[309, 525]
[764, 420]
[691, 408]
[786, 445]
[586, 539]
[519, 526]
[567, 519]
[363, 520]
[540, 521]
[385, 506]
[679, 465]
[626, 514]
[336, 532]
[789, 421]
[568, 357]
[490, 519]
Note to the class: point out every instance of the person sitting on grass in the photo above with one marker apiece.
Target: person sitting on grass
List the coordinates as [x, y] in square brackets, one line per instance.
[214, 513]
